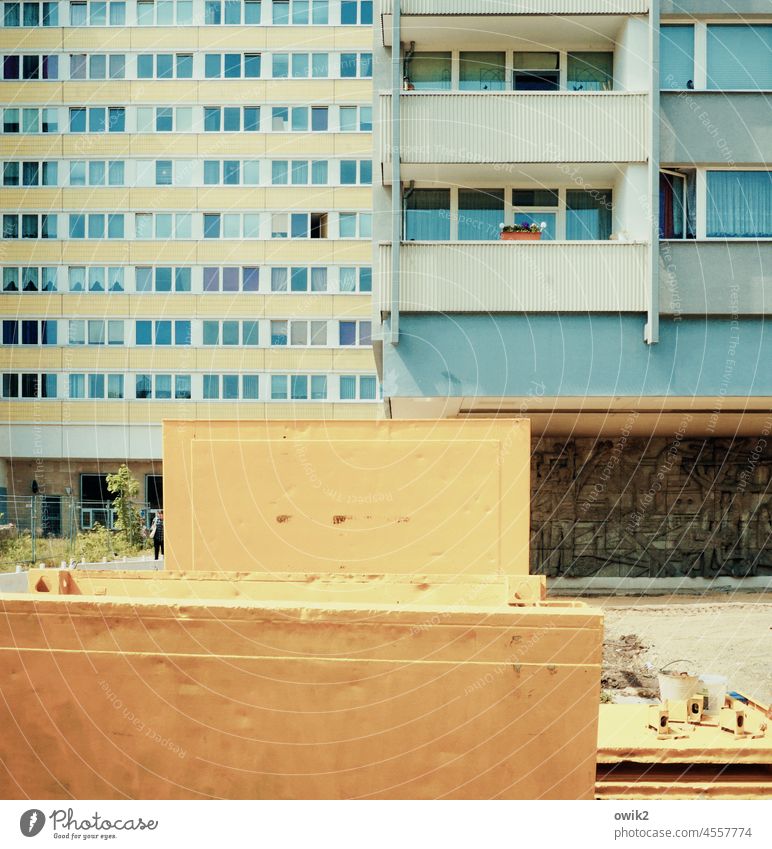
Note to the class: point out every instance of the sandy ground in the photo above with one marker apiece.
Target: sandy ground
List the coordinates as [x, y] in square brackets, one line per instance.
[729, 636]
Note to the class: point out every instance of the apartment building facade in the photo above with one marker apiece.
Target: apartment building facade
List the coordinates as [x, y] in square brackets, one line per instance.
[635, 136]
[187, 222]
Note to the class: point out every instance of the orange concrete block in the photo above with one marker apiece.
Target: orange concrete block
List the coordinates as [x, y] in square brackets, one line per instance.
[428, 497]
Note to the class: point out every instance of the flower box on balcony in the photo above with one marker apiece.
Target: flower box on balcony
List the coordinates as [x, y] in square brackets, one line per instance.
[519, 236]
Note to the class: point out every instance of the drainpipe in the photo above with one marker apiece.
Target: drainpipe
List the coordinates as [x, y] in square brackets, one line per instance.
[651, 331]
[396, 183]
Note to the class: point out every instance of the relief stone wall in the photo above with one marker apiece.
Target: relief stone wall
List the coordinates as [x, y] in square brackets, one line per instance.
[659, 507]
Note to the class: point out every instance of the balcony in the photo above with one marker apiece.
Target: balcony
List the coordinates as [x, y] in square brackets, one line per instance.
[530, 19]
[489, 128]
[493, 277]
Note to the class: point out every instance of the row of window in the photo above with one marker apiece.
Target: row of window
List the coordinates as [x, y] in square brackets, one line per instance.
[164, 279]
[313, 333]
[186, 387]
[186, 66]
[188, 119]
[729, 57]
[188, 172]
[187, 225]
[100, 13]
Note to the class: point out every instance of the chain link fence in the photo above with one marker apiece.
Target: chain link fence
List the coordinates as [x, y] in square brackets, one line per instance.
[55, 528]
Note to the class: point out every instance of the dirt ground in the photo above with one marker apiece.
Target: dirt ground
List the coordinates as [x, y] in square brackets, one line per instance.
[725, 636]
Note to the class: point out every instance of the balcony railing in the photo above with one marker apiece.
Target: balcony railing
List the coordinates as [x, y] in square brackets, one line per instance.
[518, 7]
[514, 127]
[517, 277]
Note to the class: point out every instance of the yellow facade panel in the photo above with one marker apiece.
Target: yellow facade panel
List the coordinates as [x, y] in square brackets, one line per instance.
[161, 198]
[228, 306]
[224, 359]
[299, 38]
[105, 252]
[161, 359]
[360, 197]
[163, 305]
[154, 412]
[88, 305]
[31, 251]
[77, 39]
[360, 144]
[24, 146]
[97, 146]
[31, 358]
[233, 252]
[242, 38]
[358, 412]
[44, 410]
[163, 144]
[164, 253]
[279, 145]
[156, 38]
[354, 359]
[40, 305]
[218, 145]
[174, 92]
[353, 91]
[230, 198]
[22, 198]
[281, 306]
[109, 92]
[44, 93]
[310, 198]
[300, 91]
[359, 252]
[37, 38]
[299, 359]
[96, 357]
[104, 412]
[96, 198]
[353, 38]
[352, 306]
[295, 251]
[214, 93]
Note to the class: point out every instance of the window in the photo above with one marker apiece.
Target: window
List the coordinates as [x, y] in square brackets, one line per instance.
[354, 333]
[356, 12]
[429, 71]
[298, 387]
[34, 14]
[97, 173]
[353, 279]
[590, 71]
[354, 225]
[427, 215]
[165, 66]
[356, 65]
[231, 279]
[480, 213]
[162, 225]
[97, 119]
[162, 279]
[481, 71]
[676, 62]
[356, 172]
[230, 333]
[588, 214]
[231, 12]
[536, 71]
[96, 226]
[357, 387]
[228, 119]
[33, 226]
[164, 12]
[740, 56]
[354, 119]
[739, 204]
[537, 206]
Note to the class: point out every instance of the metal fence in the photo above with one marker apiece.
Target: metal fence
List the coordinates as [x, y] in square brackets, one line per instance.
[50, 527]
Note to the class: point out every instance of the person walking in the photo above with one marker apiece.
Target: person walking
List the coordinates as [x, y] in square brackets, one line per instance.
[157, 533]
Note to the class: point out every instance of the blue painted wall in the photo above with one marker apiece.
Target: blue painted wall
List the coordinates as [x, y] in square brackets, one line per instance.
[582, 355]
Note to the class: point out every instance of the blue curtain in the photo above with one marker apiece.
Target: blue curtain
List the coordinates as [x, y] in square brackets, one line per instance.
[588, 215]
[740, 56]
[676, 56]
[739, 204]
[480, 212]
[427, 215]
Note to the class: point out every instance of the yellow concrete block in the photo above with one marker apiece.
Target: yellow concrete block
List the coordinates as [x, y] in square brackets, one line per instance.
[77, 39]
[160, 252]
[356, 700]
[161, 198]
[227, 305]
[281, 145]
[109, 92]
[104, 199]
[32, 252]
[155, 92]
[224, 92]
[96, 252]
[31, 359]
[223, 145]
[24, 146]
[30, 92]
[40, 412]
[175, 38]
[38, 305]
[23, 199]
[299, 359]
[152, 145]
[358, 360]
[338, 495]
[95, 357]
[238, 359]
[305, 198]
[233, 198]
[97, 145]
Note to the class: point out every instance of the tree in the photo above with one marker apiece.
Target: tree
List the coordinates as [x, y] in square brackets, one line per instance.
[129, 521]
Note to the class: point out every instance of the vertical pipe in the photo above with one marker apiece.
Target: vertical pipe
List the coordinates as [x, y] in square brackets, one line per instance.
[651, 332]
[396, 183]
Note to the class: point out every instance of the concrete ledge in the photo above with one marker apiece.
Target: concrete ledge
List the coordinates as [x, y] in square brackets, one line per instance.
[13, 582]
[656, 586]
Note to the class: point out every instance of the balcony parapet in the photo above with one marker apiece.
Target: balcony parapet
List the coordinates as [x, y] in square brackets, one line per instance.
[518, 7]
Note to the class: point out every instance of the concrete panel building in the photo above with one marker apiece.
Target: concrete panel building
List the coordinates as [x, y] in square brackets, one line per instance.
[186, 231]
[636, 137]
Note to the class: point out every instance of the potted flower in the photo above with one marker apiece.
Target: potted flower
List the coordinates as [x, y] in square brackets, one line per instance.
[522, 232]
